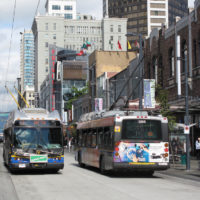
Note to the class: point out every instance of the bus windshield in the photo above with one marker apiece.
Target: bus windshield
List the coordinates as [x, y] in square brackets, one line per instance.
[141, 129]
[32, 138]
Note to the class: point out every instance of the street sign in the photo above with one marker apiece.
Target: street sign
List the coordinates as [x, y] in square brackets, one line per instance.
[187, 129]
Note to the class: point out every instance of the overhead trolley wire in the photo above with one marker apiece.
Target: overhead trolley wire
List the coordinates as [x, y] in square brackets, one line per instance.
[13, 20]
[37, 7]
[125, 84]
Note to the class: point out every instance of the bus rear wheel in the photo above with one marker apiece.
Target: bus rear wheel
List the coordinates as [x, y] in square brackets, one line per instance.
[149, 173]
[102, 166]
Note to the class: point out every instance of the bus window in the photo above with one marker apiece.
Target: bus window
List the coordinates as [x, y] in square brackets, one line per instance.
[106, 136]
[89, 138]
[84, 138]
[100, 137]
[80, 138]
[94, 138]
[141, 129]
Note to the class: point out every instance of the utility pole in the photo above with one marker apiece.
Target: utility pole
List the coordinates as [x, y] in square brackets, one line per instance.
[187, 115]
[189, 54]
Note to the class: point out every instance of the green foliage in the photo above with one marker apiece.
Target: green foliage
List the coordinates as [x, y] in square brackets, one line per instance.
[162, 98]
[76, 94]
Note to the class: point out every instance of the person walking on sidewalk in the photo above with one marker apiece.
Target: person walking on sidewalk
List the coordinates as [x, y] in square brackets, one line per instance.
[70, 144]
[198, 148]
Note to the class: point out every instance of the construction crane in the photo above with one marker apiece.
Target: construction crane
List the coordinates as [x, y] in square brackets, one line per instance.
[22, 97]
[13, 97]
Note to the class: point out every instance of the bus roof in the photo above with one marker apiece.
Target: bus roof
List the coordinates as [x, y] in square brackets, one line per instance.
[32, 114]
[103, 114]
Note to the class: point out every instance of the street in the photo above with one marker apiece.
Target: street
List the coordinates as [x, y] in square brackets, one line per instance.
[77, 183]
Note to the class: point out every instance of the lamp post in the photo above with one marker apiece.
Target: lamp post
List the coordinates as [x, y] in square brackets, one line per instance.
[141, 69]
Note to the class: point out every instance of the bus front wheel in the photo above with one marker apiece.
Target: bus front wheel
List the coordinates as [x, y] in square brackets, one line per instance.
[80, 160]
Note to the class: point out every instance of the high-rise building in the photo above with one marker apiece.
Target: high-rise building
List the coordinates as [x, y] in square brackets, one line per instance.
[64, 8]
[27, 60]
[177, 8]
[145, 15]
[106, 34]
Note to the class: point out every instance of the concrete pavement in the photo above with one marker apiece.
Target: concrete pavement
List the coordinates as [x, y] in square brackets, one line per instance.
[6, 193]
[179, 170]
[75, 183]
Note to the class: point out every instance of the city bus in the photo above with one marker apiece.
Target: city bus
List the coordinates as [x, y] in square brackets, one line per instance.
[123, 140]
[33, 139]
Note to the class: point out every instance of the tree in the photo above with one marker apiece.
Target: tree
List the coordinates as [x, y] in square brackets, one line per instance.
[75, 94]
[162, 98]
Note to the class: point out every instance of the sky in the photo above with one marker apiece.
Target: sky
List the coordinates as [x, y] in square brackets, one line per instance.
[24, 15]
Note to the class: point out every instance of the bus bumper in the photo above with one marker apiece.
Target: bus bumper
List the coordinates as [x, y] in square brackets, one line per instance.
[23, 166]
[141, 166]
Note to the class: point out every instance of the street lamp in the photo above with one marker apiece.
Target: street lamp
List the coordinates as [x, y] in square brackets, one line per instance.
[141, 67]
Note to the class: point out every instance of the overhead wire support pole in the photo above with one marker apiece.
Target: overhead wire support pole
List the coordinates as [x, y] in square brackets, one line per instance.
[13, 96]
[141, 72]
[188, 54]
[22, 97]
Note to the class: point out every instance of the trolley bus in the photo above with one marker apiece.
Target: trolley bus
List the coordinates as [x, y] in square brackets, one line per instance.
[33, 140]
[116, 140]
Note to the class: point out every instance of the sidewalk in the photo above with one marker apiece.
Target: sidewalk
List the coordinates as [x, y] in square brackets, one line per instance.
[179, 170]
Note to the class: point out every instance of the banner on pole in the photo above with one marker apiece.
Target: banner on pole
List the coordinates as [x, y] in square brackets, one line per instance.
[98, 104]
[149, 93]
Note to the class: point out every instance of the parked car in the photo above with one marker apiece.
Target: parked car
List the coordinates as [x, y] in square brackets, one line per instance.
[1, 137]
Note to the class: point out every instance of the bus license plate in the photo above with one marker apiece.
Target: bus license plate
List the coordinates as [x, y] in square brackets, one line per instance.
[22, 165]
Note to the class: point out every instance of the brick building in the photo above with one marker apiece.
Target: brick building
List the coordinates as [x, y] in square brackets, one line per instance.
[161, 64]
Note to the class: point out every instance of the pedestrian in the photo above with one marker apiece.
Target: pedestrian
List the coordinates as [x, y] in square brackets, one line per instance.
[69, 144]
[198, 148]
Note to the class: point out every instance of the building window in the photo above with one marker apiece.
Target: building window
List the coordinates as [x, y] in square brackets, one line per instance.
[111, 28]
[119, 28]
[155, 69]
[46, 61]
[46, 44]
[68, 8]
[198, 49]
[171, 62]
[149, 70]
[54, 36]
[68, 16]
[46, 26]
[160, 66]
[47, 69]
[195, 53]
[54, 26]
[184, 56]
[55, 7]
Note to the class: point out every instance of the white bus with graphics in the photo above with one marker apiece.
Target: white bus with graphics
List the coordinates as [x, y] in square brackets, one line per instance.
[116, 140]
[33, 139]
